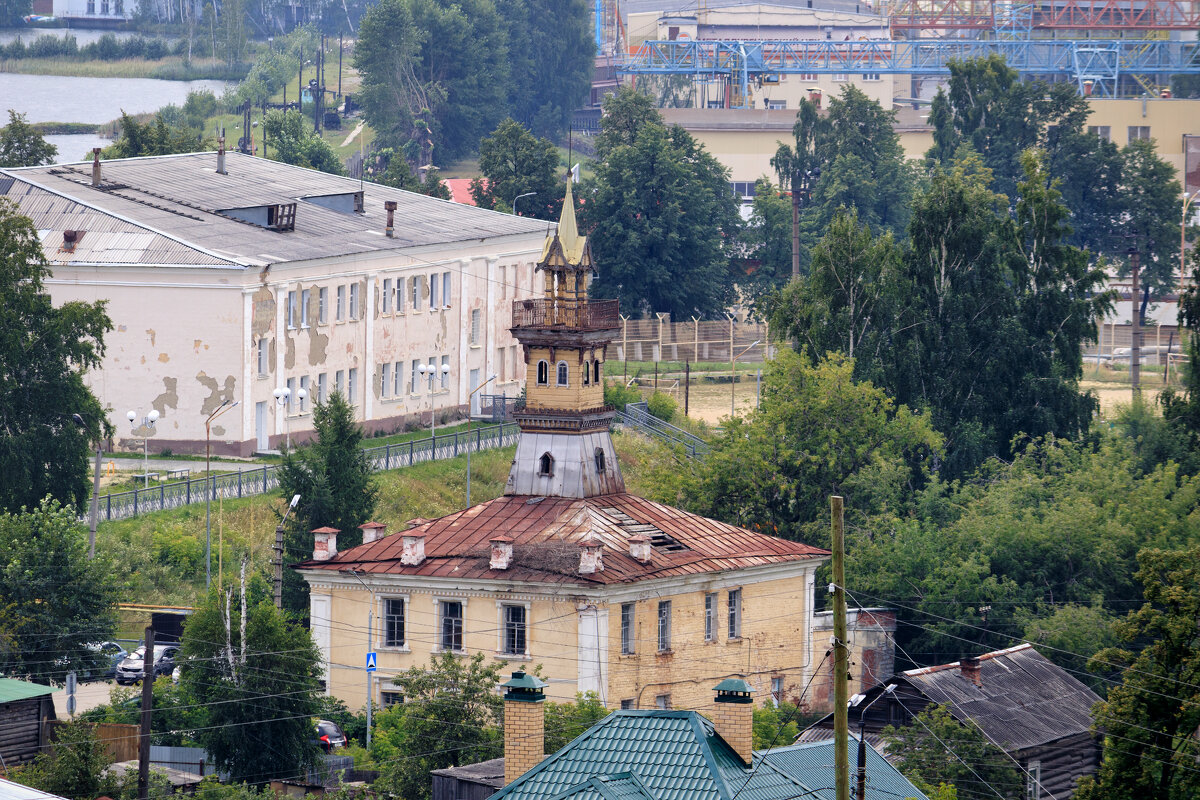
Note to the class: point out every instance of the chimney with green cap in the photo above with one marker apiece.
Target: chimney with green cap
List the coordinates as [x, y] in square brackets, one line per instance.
[524, 724]
[733, 716]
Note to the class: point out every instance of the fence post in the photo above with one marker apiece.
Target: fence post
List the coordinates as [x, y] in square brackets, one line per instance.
[387, 456]
[456, 444]
[264, 489]
[239, 481]
[410, 452]
[108, 511]
[189, 490]
[162, 496]
[135, 500]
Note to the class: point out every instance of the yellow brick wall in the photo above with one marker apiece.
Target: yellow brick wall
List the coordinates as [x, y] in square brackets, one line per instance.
[573, 396]
[524, 737]
[735, 724]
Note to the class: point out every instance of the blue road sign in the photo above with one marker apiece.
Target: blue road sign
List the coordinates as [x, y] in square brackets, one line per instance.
[370, 662]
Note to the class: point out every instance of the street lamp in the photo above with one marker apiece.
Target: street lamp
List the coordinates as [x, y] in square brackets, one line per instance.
[432, 371]
[283, 398]
[279, 550]
[518, 197]
[733, 376]
[148, 424]
[862, 726]
[470, 400]
[208, 487]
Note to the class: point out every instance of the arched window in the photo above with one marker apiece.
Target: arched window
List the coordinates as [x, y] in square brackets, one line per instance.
[596, 371]
[546, 465]
[563, 371]
[600, 465]
[543, 373]
[587, 374]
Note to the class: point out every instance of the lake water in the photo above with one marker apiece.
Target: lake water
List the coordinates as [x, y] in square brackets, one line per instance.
[76, 146]
[55, 98]
[82, 35]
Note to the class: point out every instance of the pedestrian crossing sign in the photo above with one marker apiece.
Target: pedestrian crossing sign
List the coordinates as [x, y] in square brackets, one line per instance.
[370, 662]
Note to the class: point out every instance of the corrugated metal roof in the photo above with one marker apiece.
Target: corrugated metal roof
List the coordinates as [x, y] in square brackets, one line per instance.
[812, 762]
[12, 689]
[180, 196]
[10, 790]
[1022, 699]
[547, 532]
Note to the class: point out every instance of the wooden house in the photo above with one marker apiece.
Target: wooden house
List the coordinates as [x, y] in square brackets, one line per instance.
[25, 708]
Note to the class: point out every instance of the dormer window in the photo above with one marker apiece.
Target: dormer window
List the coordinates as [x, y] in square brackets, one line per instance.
[563, 373]
[600, 465]
[543, 373]
[546, 465]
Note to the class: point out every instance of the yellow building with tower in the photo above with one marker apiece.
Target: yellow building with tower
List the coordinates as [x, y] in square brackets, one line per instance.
[644, 604]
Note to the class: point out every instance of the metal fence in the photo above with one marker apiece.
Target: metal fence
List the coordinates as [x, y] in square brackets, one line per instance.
[638, 417]
[260, 480]
[660, 339]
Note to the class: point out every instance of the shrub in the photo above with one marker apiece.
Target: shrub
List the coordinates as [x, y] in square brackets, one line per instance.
[662, 406]
[618, 394]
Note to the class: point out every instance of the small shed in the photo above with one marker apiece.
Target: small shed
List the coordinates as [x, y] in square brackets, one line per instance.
[25, 708]
[470, 781]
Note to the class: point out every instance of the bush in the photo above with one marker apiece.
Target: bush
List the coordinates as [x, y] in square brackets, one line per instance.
[618, 395]
[662, 406]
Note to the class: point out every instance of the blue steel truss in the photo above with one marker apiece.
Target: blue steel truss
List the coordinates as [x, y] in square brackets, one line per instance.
[1094, 64]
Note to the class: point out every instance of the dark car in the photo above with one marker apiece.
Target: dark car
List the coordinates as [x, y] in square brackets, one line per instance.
[132, 668]
[329, 736]
[109, 655]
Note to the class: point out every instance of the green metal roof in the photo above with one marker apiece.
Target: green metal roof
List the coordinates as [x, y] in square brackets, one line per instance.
[12, 689]
[813, 762]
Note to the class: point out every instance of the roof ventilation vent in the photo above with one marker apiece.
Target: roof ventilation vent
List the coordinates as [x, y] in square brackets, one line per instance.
[278, 217]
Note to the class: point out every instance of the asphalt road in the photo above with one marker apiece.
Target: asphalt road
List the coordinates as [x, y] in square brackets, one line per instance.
[87, 696]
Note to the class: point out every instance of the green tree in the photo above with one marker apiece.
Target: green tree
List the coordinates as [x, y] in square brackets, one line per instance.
[398, 174]
[54, 600]
[1071, 634]
[1150, 719]
[661, 215]
[74, 768]
[514, 162]
[818, 432]
[936, 748]
[1182, 411]
[256, 675]
[152, 138]
[334, 480]
[292, 141]
[779, 725]
[434, 76]
[565, 721]
[767, 242]
[48, 416]
[451, 715]
[1149, 206]
[21, 145]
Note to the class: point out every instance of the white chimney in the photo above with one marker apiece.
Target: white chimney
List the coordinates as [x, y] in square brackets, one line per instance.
[95, 166]
[221, 155]
[413, 552]
[591, 557]
[372, 531]
[639, 548]
[502, 552]
[324, 543]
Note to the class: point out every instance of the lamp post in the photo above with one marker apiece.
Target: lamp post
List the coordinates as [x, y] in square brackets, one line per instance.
[432, 371]
[208, 487]
[93, 516]
[470, 400]
[862, 727]
[279, 551]
[733, 376]
[148, 424]
[283, 398]
[518, 197]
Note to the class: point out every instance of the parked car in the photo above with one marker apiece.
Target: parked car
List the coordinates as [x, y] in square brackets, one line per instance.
[329, 736]
[109, 655]
[132, 668]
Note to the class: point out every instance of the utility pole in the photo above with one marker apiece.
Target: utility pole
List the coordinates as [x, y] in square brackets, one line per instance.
[94, 516]
[279, 565]
[147, 702]
[841, 660]
[1135, 349]
[687, 385]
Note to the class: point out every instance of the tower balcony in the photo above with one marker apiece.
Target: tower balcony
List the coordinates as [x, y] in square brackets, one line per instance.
[566, 314]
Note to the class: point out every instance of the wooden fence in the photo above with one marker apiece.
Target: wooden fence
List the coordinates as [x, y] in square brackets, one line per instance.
[121, 741]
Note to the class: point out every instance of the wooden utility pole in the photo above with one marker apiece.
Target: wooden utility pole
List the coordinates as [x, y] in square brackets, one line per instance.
[1135, 348]
[147, 702]
[841, 658]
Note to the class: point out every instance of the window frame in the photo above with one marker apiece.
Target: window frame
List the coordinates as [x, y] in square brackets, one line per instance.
[562, 376]
[355, 301]
[386, 304]
[443, 603]
[398, 379]
[662, 702]
[710, 616]
[305, 300]
[306, 385]
[262, 356]
[446, 287]
[476, 327]
[352, 386]
[292, 309]
[543, 372]
[385, 642]
[339, 309]
[664, 626]
[322, 387]
[323, 305]
[628, 629]
[733, 600]
[435, 292]
[502, 649]
[385, 379]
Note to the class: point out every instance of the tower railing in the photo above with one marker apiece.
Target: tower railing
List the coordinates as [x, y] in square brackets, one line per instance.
[583, 315]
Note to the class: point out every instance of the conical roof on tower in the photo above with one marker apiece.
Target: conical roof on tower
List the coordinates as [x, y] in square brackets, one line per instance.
[567, 242]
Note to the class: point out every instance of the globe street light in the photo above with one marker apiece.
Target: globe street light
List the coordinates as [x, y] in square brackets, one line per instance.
[208, 487]
[148, 425]
[432, 371]
[283, 398]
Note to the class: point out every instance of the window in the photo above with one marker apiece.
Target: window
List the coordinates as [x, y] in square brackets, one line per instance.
[305, 298]
[393, 622]
[839, 77]
[400, 282]
[451, 614]
[399, 378]
[1102, 131]
[501, 373]
[389, 699]
[445, 372]
[340, 311]
[385, 379]
[1033, 780]
[323, 387]
[777, 691]
[262, 352]
[503, 282]
[543, 373]
[352, 386]
[1139, 132]
[291, 397]
[304, 388]
[596, 371]
[562, 373]
[292, 311]
[664, 626]
[870, 76]
[434, 291]
[475, 317]
[416, 292]
[662, 702]
[601, 467]
[446, 289]
[627, 704]
[355, 310]
[387, 295]
[323, 305]
[810, 77]
[776, 105]
[710, 617]
[627, 610]
[339, 382]
[587, 374]
[735, 613]
[546, 465]
[513, 641]
[416, 375]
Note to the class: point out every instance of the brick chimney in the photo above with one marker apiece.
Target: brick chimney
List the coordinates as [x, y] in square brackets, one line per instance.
[390, 207]
[502, 552]
[95, 166]
[372, 531]
[413, 552]
[639, 548]
[733, 716]
[591, 556]
[324, 543]
[524, 725]
[221, 154]
[969, 666]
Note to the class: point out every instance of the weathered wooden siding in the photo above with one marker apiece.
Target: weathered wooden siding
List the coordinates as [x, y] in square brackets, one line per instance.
[21, 734]
[1063, 762]
[446, 787]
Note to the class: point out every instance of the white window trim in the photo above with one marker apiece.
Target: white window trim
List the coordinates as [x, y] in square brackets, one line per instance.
[500, 604]
[740, 616]
[437, 615]
[379, 615]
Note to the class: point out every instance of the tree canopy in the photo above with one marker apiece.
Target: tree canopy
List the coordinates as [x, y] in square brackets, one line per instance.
[513, 163]
[48, 416]
[152, 138]
[21, 145]
[290, 139]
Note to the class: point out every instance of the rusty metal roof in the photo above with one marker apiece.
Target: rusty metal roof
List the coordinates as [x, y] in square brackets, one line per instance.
[547, 533]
